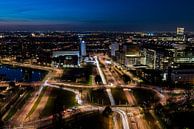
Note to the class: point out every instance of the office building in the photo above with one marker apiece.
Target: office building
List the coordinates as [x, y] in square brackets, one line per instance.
[180, 31]
[114, 48]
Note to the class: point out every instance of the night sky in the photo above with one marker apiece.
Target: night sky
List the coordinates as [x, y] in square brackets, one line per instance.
[131, 15]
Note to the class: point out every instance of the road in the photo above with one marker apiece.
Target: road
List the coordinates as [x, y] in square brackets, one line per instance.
[109, 75]
[100, 71]
[41, 105]
[130, 97]
[120, 112]
[21, 115]
[137, 121]
[45, 98]
[67, 114]
[77, 93]
[104, 81]
[123, 117]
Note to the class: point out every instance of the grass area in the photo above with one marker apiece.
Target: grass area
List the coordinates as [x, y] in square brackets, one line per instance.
[37, 102]
[92, 121]
[1, 104]
[145, 97]
[78, 75]
[49, 106]
[90, 81]
[66, 98]
[12, 111]
[119, 96]
[151, 120]
[98, 97]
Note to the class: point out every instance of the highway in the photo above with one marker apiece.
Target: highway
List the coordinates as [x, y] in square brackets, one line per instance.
[84, 109]
[130, 97]
[110, 80]
[21, 116]
[123, 115]
[115, 81]
[110, 97]
[104, 81]
[100, 71]
[137, 121]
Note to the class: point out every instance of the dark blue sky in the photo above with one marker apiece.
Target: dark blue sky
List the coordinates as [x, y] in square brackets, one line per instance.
[98, 14]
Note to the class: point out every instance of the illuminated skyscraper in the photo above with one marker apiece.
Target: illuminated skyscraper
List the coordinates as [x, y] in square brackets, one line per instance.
[180, 34]
[82, 48]
[180, 31]
[114, 48]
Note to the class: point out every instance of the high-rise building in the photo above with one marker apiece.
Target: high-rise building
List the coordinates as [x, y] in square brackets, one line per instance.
[180, 31]
[82, 48]
[180, 34]
[114, 48]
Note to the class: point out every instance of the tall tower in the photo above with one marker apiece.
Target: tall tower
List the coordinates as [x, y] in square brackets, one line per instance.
[82, 48]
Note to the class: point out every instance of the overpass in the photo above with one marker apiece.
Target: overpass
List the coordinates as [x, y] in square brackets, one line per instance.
[84, 110]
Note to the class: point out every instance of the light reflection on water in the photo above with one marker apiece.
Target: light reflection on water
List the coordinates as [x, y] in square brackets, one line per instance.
[9, 73]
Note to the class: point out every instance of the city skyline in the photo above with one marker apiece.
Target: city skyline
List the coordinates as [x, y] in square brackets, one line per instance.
[125, 15]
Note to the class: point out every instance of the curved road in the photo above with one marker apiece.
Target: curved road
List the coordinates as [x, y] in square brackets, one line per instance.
[78, 95]
[123, 117]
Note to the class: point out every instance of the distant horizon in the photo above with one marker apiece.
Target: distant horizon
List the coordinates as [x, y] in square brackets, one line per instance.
[85, 28]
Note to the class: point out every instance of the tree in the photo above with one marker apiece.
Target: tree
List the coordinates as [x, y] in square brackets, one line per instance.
[107, 111]
[98, 79]
[188, 88]
[11, 84]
